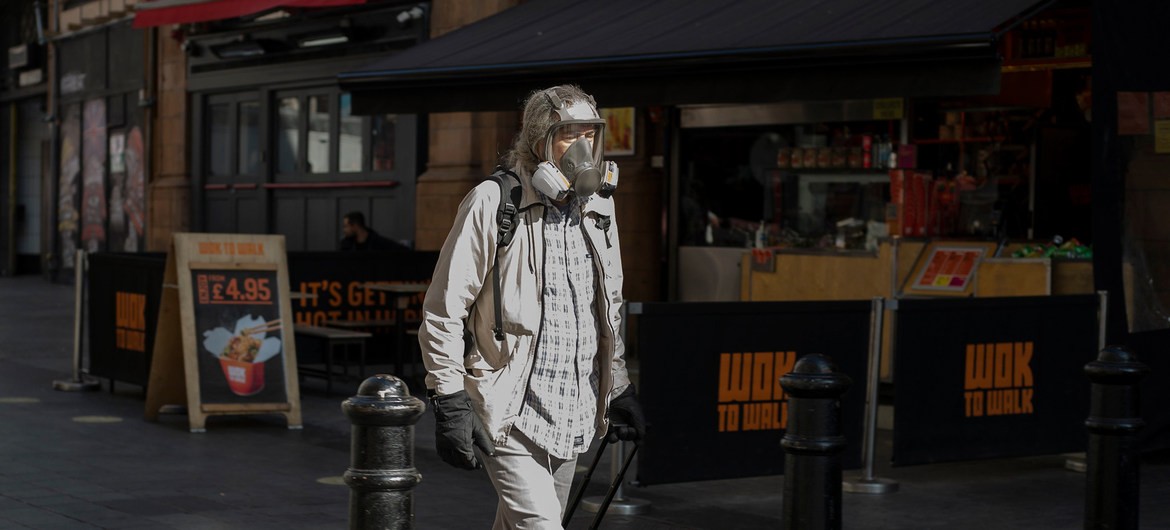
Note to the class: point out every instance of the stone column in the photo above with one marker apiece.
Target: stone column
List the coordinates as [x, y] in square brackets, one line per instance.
[169, 188]
[463, 146]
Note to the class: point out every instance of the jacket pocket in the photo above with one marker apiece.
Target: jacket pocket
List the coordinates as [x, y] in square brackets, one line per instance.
[490, 355]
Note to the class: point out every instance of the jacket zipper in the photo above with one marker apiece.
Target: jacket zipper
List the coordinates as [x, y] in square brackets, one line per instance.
[600, 264]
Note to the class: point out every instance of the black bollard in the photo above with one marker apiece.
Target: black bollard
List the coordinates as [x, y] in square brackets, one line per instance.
[813, 444]
[1114, 421]
[381, 474]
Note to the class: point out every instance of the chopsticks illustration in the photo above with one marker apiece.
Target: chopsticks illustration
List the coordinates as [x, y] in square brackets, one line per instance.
[264, 328]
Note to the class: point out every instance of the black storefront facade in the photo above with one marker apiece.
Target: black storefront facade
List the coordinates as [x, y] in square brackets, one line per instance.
[703, 59]
[275, 146]
[666, 61]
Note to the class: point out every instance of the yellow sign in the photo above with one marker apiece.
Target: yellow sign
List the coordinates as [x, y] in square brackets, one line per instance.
[887, 109]
[1162, 136]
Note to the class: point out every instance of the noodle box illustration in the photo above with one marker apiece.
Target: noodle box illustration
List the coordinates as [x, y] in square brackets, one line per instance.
[242, 352]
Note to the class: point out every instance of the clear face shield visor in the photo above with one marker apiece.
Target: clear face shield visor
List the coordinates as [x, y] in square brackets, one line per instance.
[578, 143]
[573, 151]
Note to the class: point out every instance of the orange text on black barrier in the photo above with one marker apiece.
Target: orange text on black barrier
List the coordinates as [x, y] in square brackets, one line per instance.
[998, 379]
[327, 297]
[130, 321]
[750, 396]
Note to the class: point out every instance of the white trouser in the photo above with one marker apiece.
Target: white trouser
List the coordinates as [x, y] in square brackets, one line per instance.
[533, 486]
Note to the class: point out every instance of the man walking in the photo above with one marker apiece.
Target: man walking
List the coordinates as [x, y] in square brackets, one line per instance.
[524, 358]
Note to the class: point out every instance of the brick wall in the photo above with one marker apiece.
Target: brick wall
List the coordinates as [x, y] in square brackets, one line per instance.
[464, 147]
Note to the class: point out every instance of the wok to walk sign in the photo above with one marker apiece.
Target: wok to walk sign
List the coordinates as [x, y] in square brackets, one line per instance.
[992, 377]
[709, 382]
[998, 379]
[750, 396]
[225, 330]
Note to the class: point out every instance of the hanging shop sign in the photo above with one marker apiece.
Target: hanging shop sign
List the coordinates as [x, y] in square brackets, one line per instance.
[715, 392]
[887, 109]
[225, 330]
[992, 377]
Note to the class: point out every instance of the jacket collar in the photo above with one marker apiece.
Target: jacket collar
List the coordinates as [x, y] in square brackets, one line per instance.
[529, 196]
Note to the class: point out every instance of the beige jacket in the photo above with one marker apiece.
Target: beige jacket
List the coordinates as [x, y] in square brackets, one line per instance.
[459, 348]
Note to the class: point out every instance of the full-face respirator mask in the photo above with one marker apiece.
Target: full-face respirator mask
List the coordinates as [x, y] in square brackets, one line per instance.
[580, 169]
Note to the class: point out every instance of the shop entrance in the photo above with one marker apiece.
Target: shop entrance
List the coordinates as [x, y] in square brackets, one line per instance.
[32, 156]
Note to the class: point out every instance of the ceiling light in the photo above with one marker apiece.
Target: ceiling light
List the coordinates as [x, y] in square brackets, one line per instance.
[235, 50]
[326, 38]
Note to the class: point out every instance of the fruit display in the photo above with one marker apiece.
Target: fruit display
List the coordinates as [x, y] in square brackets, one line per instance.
[1057, 248]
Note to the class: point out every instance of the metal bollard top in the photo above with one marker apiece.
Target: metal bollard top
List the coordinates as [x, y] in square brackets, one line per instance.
[383, 386]
[815, 376]
[383, 400]
[1116, 365]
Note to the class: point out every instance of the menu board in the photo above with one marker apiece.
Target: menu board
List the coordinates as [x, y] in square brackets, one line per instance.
[224, 340]
[948, 269]
[238, 332]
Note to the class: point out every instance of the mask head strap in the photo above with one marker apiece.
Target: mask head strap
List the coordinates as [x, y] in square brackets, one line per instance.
[559, 105]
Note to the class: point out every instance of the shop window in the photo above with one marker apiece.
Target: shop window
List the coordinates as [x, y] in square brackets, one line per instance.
[744, 186]
[336, 142]
[220, 140]
[288, 134]
[318, 137]
[249, 138]
[382, 133]
[350, 139]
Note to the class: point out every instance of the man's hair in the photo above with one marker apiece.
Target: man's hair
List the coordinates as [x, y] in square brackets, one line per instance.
[539, 115]
[356, 218]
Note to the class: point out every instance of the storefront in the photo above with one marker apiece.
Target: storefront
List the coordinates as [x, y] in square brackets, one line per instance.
[728, 108]
[917, 125]
[275, 146]
[842, 179]
[24, 145]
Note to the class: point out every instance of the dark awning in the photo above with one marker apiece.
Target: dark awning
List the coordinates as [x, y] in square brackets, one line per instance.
[159, 12]
[647, 52]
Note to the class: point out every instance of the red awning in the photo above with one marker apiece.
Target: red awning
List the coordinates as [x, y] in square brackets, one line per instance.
[160, 12]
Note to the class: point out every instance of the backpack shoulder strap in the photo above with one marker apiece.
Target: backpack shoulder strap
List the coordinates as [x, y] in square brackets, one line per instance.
[510, 195]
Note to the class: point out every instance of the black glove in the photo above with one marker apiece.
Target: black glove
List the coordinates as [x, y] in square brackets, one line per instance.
[456, 429]
[625, 417]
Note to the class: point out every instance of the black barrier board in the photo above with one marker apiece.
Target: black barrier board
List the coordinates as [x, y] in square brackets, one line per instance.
[709, 375]
[124, 291]
[992, 377]
[1153, 349]
[335, 278]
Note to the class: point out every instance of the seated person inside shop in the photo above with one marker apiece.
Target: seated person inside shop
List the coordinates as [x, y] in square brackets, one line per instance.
[360, 237]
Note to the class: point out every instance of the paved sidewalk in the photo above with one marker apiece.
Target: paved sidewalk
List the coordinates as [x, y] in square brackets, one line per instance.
[89, 460]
